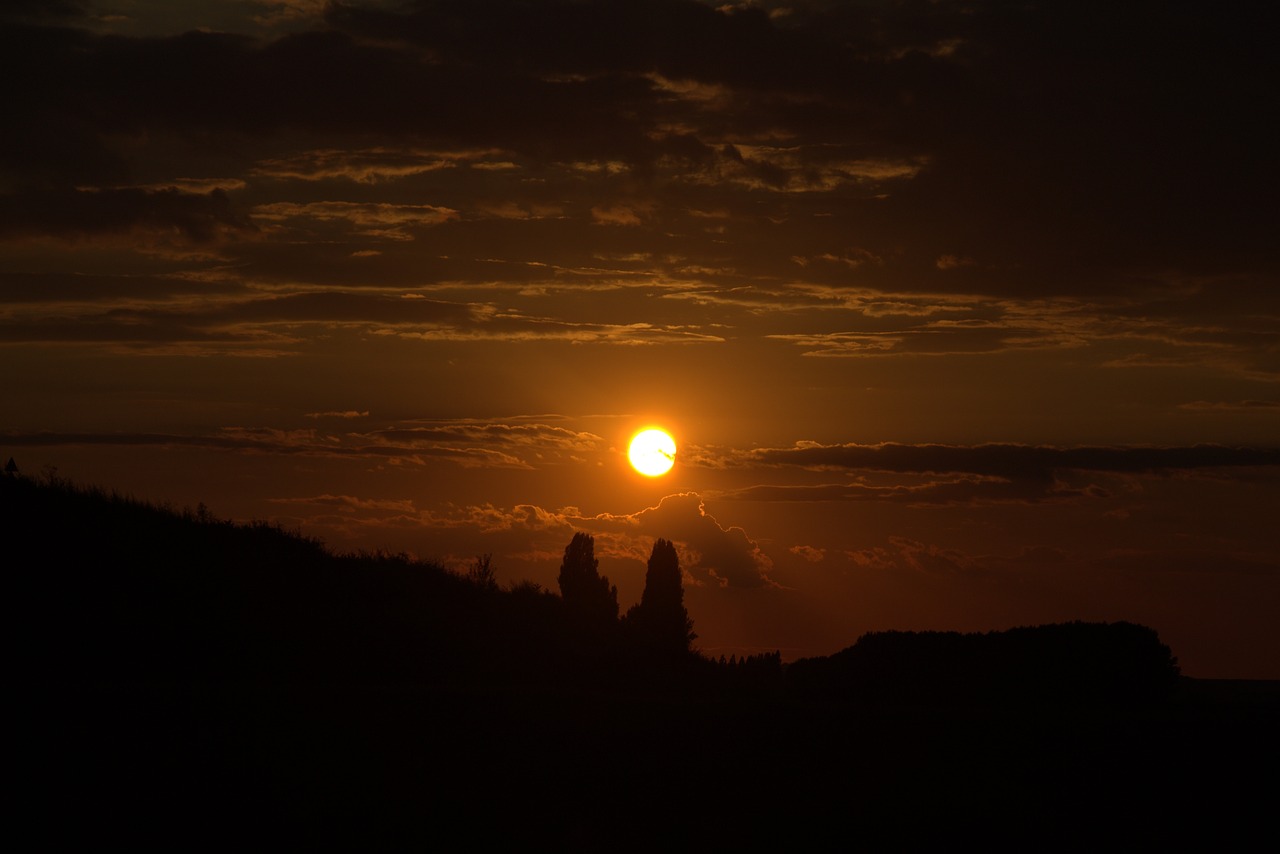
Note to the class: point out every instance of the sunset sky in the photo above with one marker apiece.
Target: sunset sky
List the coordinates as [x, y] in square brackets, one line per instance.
[964, 314]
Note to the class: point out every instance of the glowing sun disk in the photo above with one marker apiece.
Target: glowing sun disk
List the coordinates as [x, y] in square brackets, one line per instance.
[652, 452]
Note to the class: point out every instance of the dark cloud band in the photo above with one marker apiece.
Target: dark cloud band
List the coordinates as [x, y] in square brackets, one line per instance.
[1037, 462]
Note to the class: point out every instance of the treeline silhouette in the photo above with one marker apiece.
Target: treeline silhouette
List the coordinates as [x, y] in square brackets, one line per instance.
[182, 682]
[1069, 662]
[115, 588]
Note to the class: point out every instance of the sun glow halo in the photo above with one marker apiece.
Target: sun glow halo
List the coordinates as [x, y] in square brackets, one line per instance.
[652, 452]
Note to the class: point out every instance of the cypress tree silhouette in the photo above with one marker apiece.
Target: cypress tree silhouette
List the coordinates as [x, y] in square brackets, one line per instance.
[586, 593]
[660, 621]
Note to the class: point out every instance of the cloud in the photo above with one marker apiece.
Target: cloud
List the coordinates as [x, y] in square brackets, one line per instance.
[1248, 405]
[44, 287]
[266, 321]
[726, 555]
[904, 554]
[1034, 462]
[952, 262]
[379, 220]
[843, 343]
[349, 502]
[262, 440]
[278, 11]
[617, 215]
[809, 553]
[876, 558]
[526, 435]
[711, 553]
[801, 170]
[511, 210]
[931, 559]
[515, 328]
[155, 213]
[674, 39]
[345, 413]
[523, 442]
[276, 324]
[961, 491]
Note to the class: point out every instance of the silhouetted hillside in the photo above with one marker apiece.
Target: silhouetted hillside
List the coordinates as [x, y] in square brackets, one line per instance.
[112, 588]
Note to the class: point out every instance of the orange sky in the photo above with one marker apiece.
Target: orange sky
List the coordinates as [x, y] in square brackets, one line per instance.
[963, 316]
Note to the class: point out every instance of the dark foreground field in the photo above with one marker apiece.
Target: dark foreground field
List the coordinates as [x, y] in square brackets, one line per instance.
[180, 766]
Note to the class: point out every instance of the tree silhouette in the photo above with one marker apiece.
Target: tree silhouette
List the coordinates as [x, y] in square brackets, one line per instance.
[660, 621]
[587, 595]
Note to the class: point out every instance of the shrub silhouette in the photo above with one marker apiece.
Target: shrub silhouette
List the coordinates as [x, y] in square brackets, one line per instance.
[482, 574]
[660, 621]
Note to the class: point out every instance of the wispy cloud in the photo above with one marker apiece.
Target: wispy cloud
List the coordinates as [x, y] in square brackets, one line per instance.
[307, 443]
[367, 165]
[344, 413]
[967, 491]
[1258, 406]
[349, 502]
[1035, 462]
[378, 219]
[164, 214]
[523, 442]
[543, 436]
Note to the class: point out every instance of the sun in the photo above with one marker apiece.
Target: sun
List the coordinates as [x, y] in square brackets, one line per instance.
[652, 452]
